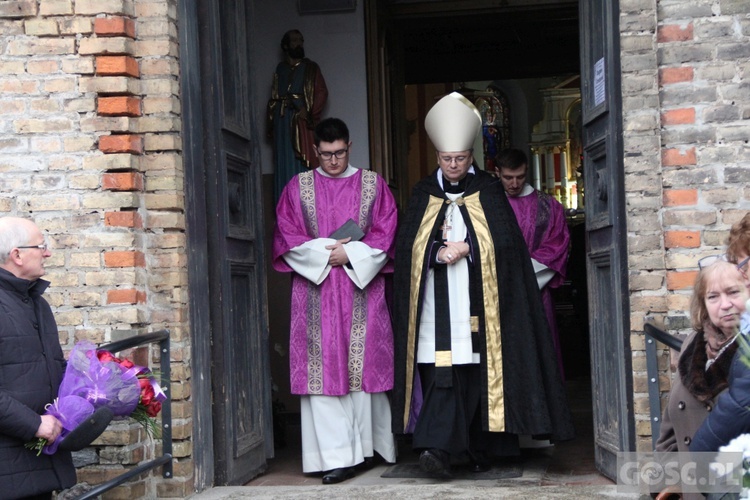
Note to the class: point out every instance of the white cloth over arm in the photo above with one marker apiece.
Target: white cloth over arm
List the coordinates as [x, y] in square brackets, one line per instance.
[543, 273]
[310, 259]
[366, 262]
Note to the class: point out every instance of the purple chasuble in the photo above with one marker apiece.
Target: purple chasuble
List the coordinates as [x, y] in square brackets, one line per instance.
[542, 222]
[341, 338]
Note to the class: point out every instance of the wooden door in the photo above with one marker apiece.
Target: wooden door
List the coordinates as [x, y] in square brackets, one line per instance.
[386, 100]
[232, 404]
[606, 233]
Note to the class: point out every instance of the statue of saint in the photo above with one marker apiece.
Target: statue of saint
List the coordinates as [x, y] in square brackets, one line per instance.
[298, 96]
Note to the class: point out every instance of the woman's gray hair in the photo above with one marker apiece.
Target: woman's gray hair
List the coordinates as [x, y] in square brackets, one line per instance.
[13, 233]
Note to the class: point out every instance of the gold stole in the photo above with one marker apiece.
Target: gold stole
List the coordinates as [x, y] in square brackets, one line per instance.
[486, 248]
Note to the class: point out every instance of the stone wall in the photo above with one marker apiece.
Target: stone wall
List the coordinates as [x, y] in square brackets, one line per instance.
[686, 104]
[90, 148]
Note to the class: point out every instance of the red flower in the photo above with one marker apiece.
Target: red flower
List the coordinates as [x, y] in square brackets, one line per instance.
[153, 409]
[126, 364]
[147, 391]
[106, 357]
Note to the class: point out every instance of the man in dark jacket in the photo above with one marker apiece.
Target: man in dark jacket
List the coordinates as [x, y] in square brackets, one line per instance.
[31, 367]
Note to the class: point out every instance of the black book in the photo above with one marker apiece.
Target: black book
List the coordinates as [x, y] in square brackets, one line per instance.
[348, 229]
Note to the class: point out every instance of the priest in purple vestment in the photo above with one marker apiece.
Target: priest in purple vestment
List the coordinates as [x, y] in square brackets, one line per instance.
[335, 231]
[542, 222]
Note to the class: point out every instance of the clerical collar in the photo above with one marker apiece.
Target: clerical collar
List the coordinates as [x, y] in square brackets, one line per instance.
[460, 187]
[350, 170]
[527, 190]
[456, 187]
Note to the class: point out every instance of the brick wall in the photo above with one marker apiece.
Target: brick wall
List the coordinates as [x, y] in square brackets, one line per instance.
[90, 148]
[686, 104]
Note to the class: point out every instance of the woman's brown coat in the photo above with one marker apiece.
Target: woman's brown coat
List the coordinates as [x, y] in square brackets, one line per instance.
[693, 395]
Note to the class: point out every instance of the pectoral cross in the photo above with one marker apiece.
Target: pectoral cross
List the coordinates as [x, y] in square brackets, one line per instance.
[448, 220]
[446, 229]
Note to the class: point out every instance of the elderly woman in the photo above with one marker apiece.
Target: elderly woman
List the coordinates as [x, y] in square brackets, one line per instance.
[718, 300]
[731, 416]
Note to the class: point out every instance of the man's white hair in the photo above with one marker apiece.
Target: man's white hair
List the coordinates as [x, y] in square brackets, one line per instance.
[14, 232]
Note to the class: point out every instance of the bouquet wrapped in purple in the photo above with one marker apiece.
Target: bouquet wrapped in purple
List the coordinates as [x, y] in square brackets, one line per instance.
[94, 379]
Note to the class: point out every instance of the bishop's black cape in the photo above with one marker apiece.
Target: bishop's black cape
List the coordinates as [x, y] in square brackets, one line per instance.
[522, 392]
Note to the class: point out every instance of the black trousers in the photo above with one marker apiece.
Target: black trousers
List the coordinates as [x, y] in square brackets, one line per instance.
[450, 418]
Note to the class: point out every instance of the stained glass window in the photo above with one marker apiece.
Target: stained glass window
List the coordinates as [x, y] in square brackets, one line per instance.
[493, 106]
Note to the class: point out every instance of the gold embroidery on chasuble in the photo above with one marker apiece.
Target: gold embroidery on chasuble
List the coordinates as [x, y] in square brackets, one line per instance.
[421, 241]
[359, 307]
[357, 340]
[491, 301]
[369, 189]
[313, 314]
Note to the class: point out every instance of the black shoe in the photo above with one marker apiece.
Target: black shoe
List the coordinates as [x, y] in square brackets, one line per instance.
[337, 475]
[367, 464]
[436, 463]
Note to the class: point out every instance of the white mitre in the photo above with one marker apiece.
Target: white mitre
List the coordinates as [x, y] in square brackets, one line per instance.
[453, 123]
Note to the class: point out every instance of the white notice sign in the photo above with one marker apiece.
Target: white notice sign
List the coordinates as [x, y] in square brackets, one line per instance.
[600, 91]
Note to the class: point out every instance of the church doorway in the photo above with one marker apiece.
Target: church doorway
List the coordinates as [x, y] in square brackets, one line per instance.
[419, 51]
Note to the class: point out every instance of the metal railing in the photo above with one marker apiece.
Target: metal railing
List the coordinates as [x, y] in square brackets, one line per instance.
[653, 334]
[162, 337]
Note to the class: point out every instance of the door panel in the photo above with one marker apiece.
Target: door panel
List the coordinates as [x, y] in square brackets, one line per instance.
[606, 233]
[240, 379]
[245, 405]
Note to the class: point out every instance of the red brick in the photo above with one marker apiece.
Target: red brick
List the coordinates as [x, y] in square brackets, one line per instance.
[675, 75]
[680, 280]
[682, 239]
[122, 181]
[128, 296]
[114, 26]
[119, 106]
[677, 157]
[674, 33]
[123, 219]
[121, 143]
[680, 197]
[678, 116]
[117, 66]
[124, 259]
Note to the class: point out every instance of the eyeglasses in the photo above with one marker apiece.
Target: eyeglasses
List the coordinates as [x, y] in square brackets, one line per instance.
[712, 259]
[450, 159]
[327, 155]
[43, 247]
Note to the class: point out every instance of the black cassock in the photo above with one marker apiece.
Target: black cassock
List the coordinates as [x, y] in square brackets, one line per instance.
[516, 388]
